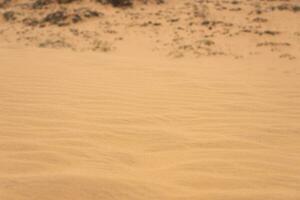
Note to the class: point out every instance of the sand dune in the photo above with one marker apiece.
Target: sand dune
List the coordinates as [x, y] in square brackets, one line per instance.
[96, 126]
[185, 100]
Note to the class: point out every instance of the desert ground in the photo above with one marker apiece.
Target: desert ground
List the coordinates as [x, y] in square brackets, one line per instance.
[173, 100]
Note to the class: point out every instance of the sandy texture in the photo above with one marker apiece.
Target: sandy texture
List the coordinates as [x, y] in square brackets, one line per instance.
[90, 126]
[137, 124]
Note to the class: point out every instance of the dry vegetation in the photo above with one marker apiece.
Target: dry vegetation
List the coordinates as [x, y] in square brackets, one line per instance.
[189, 28]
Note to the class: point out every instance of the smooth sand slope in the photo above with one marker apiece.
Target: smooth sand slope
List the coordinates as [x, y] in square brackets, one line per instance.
[88, 126]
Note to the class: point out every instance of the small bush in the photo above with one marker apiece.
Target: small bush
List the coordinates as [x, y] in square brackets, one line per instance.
[117, 3]
[127, 3]
[296, 8]
[9, 16]
[41, 3]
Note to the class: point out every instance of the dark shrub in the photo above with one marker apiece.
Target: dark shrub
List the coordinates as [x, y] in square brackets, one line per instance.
[40, 4]
[120, 3]
[296, 8]
[9, 16]
[65, 1]
[57, 18]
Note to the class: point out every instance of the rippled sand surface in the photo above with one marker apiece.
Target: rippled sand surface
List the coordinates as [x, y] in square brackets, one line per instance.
[88, 126]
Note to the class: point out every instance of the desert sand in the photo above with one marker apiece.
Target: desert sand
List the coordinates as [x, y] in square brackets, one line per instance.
[199, 101]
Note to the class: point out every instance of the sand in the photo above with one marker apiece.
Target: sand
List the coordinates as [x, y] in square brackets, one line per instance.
[134, 123]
